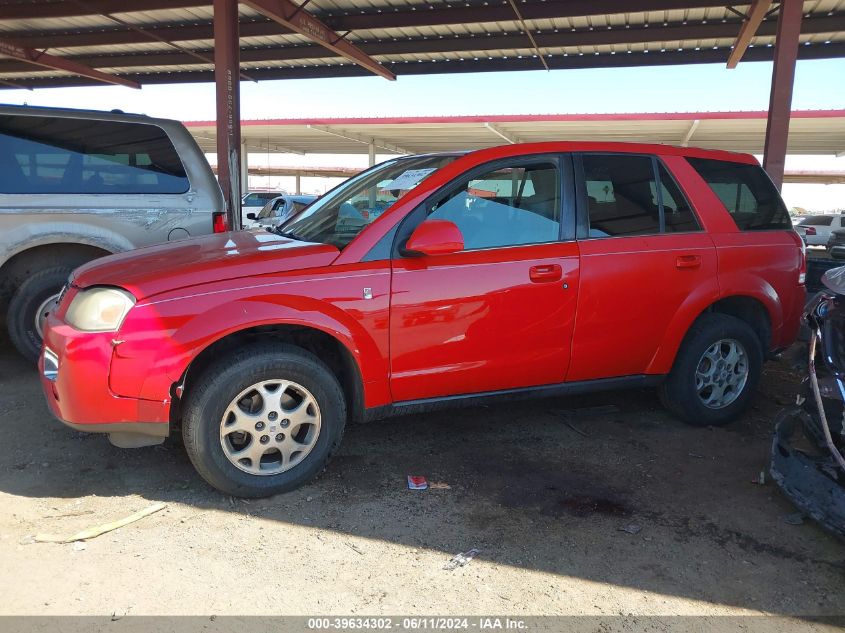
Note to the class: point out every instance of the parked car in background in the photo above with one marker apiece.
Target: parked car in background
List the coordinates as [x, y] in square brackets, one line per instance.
[516, 271]
[254, 201]
[279, 210]
[78, 184]
[815, 230]
[836, 244]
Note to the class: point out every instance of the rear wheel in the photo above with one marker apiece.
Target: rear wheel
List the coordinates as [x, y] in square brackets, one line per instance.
[30, 306]
[263, 422]
[715, 373]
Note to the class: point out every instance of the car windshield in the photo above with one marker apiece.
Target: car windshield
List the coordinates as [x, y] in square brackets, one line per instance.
[339, 216]
[269, 209]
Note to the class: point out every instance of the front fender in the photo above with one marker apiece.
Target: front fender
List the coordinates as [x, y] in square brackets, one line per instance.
[159, 341]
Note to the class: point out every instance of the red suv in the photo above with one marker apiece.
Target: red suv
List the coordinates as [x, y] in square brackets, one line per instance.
[536, 269]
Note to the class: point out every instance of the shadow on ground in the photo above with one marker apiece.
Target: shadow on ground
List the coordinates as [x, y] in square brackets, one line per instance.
[545, 486]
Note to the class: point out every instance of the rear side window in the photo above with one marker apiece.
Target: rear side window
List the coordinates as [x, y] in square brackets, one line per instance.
[255, 199]
[625, 194]
[677, 213]
[58, 155]
[747, 193]
[818, 220]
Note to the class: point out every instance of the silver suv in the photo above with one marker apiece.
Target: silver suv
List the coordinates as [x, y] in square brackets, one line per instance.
[76, 185]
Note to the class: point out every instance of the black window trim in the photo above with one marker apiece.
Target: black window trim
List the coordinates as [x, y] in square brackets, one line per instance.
[567, 230]
[582, 208]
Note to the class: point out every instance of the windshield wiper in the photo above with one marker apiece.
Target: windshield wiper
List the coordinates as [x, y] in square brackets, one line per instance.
[289, 234]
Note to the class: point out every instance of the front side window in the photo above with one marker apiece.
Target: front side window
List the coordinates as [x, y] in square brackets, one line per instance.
[40, 154]
[747, 193]
[340, 215]
[505, 207]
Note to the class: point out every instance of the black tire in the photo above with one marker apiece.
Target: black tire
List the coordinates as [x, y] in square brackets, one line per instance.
[24, 306]
[678, 393]
[221, 382]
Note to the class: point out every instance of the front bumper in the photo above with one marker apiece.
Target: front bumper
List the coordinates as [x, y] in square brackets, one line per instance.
[812, 482]
[74, 371]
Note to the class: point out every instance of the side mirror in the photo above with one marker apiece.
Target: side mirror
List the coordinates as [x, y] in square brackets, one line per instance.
[435, 237]
[250, 216]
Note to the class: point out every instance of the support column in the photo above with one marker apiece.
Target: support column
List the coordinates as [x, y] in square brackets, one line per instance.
[227, 79]
[244, 168]
[372, 153]
[298, 184]
[780, 98]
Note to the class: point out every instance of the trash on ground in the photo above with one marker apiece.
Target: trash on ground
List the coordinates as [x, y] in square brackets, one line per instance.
[459, 560]
[760, 479]
[94, 532]
[439, 485]
[794, 519]
[631, 528]
[577, 430]
[417, 482]
[78, 546]
[602, 409]
[355, 549]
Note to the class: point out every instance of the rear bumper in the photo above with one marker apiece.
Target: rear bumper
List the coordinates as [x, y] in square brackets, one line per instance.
[74, 372]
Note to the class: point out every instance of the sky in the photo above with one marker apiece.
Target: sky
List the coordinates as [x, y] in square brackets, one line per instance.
[819, 84]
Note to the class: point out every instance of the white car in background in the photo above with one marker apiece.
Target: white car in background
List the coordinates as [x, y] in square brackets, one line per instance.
[815, 230]
[254, 201]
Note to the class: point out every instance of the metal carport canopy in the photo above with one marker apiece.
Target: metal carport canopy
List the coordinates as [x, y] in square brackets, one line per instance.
[811, 132]
[137, 42]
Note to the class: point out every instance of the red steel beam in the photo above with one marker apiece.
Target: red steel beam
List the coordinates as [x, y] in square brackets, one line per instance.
[39, 58]
[780, 97]
[756, 15]
[297, 19]
[227, 80]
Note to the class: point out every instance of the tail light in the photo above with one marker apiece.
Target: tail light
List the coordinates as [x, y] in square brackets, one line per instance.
[218, 220]
[810, 230]
[365, 214]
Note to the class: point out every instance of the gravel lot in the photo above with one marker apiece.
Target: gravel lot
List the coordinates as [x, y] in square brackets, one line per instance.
[542, 488]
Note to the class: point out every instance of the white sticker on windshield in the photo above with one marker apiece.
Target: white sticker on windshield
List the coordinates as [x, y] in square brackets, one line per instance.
[409, 179]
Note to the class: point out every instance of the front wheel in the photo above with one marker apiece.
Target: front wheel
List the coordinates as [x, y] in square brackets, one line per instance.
[715, 373]
[264, 421]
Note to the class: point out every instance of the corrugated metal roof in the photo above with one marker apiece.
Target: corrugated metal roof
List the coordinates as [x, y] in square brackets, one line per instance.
[811, 131]
[408, 36]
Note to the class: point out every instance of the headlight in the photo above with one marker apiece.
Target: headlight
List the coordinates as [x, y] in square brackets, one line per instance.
[99, 309]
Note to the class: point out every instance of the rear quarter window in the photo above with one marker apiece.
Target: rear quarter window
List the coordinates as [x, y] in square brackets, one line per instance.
[747, 193]
[40, 154]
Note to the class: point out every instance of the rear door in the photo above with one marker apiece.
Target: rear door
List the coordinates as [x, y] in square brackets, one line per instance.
[643, 255]
[498, 315]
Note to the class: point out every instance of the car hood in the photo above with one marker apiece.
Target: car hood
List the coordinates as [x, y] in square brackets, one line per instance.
[156, 269]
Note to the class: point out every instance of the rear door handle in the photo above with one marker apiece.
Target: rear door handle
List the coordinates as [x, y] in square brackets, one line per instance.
[545, 273]
[688, 261]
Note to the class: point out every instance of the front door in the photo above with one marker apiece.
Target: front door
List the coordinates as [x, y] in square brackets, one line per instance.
[500, 314]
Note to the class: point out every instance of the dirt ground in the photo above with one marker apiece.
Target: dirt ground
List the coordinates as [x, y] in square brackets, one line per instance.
[541, 488]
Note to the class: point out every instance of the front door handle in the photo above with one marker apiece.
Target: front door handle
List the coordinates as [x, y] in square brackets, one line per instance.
[545, 273]
[688, 261]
